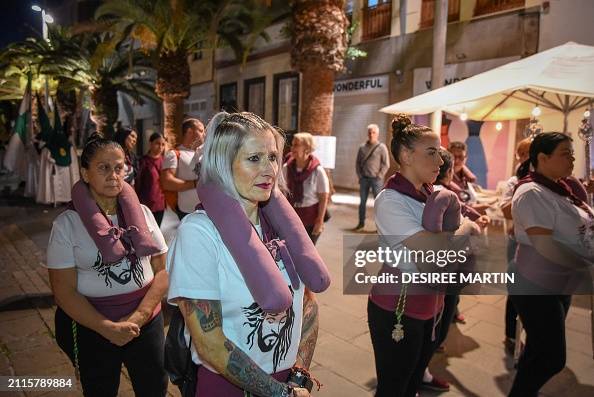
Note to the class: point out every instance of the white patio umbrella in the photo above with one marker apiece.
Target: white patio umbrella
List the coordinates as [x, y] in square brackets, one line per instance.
[560, 79]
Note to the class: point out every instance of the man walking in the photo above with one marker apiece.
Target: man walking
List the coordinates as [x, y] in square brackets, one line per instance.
[372, 164]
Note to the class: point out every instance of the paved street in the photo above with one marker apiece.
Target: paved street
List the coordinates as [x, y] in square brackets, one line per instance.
[474, 360]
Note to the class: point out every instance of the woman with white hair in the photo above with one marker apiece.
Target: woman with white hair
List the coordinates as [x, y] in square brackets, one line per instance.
[251, 324]
[308, 184]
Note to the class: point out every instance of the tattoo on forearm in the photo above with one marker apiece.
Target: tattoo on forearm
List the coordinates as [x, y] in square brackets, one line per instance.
[309, 331]
[245, 373]
[207, 312]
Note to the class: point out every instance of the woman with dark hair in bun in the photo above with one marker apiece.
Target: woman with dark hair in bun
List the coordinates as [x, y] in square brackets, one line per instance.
[403, 323]
[106, 261]
[148, 180]
[553, 227]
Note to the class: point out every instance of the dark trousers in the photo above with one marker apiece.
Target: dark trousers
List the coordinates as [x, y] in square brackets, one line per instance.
[399, 365]
[510, 319]
[510, 310]
[450, 305]
[543, 318]
[314, 237]
[100, 361]
[366, 183]
[158, 216]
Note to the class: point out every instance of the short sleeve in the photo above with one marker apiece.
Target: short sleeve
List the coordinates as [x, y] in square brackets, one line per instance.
[395, 218]
[322, 184]
[508, 193]
[192, 261]
[155, 230]
[169, 160]
[531, 209]
[60, 250]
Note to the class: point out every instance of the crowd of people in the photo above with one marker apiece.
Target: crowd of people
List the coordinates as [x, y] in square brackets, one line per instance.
[243, 269]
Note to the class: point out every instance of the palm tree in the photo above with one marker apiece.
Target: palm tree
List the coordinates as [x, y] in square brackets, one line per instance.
[98, 62]
[171, 30]
[318, 48]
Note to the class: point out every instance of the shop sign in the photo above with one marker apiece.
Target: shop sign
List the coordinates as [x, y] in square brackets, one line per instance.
[362, 86]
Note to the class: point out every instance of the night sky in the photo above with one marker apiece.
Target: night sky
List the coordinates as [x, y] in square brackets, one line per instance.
[18, 21]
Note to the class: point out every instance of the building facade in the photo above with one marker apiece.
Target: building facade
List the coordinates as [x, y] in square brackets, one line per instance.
[397, 37]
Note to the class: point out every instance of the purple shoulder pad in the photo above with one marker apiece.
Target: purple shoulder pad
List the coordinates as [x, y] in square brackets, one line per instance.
[258, 268]
[107, 237]
[284, 221]
[442, 212]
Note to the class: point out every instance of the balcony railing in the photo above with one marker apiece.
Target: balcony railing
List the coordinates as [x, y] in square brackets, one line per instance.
[377, 21]
[428, 12]
[484, 7]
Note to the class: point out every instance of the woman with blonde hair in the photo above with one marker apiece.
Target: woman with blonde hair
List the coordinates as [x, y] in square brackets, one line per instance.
[308, 184]
[248, 315]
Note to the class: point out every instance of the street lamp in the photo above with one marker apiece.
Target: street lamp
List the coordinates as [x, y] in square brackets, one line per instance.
[45, 19]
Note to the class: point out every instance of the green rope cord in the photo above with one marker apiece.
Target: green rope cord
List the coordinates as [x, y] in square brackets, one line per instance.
[75, 349]
[401, 304]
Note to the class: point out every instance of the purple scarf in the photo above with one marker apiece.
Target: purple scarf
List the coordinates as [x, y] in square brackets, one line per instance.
[561, 187]
[402, 185]
[464, 176]
[296, 178]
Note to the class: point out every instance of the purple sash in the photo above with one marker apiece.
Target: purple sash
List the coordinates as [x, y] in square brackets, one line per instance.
[549, 275]
[211, 384]
[117, 306]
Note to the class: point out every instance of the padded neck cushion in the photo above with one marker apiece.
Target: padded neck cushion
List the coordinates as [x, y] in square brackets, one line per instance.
[286, 223]
[442, 212]
[258, 268]
[107, 237]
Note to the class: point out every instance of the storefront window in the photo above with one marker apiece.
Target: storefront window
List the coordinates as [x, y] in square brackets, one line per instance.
[255, 96]
[228, 97]
[286, 101]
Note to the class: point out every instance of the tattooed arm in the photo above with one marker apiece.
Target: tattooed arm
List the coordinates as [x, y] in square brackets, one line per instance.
[309, 330]
[204, 319]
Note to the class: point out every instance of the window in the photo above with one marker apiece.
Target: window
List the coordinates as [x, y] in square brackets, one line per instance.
[228, 97]
[255, 95]
[198, 106]
[377, 19]
[428, 12]
[484, 7]
[286, 101]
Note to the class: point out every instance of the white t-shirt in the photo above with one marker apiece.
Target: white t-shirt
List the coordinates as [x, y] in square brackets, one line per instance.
[397, 217]
[201, 267]
[508, 193]
[534, 205]
[70, 245]
[188, 199]
[316, 183]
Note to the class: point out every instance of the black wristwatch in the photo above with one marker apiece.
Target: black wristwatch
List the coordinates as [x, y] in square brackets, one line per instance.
[300, 378]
